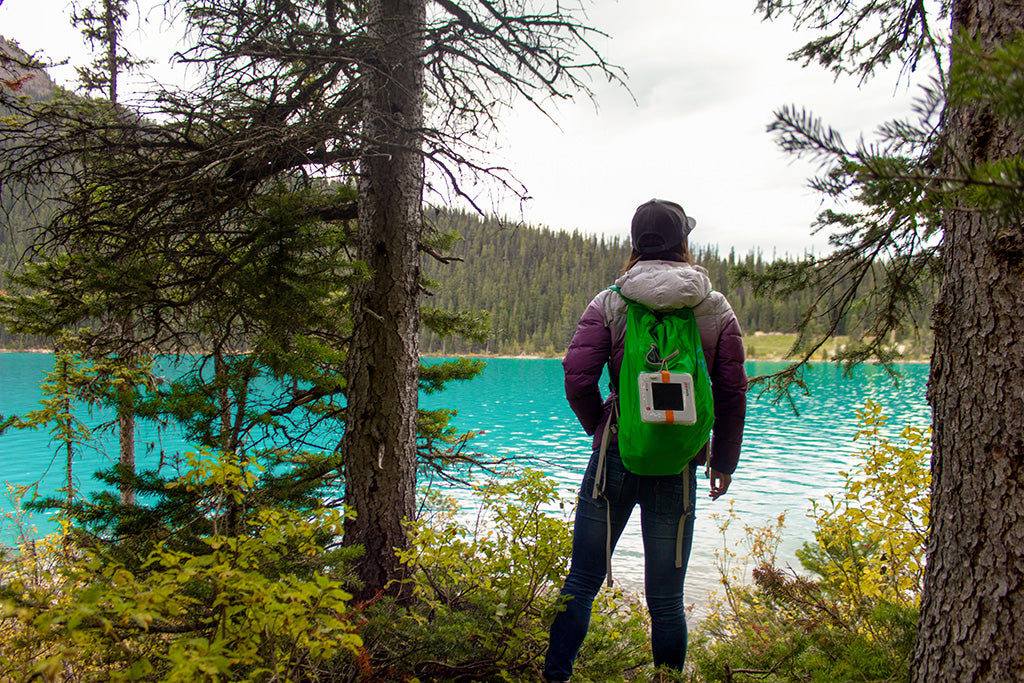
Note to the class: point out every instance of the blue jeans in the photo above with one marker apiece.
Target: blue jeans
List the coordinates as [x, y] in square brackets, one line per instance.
[662, 511]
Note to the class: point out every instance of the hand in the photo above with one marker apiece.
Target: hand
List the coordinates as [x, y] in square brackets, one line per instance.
[719, 484]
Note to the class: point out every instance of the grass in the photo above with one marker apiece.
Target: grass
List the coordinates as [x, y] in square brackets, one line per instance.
[777, 346]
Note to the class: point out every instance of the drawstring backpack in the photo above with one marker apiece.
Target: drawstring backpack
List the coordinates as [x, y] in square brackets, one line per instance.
[665, 409]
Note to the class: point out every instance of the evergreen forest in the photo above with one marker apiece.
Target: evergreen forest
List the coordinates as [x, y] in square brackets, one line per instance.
[534, 283]
[529, 283]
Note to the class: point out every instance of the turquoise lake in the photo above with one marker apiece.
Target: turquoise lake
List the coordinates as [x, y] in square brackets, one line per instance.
[788, 459]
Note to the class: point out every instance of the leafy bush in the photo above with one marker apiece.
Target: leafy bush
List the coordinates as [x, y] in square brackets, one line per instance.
[870, 541]
[854, 618]
[486, 588]
[252, 607]
[262, 606]
[270, 603]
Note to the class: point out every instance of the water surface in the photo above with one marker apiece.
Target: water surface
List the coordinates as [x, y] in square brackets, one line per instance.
[789, 456]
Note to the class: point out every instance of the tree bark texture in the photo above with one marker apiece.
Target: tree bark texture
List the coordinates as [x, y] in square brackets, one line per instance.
[379, 444]
[126, 419]
[972, 607]
[126, 440]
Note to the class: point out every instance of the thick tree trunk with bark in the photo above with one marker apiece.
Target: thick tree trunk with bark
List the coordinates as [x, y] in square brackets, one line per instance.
[972, 609]
[379, 444]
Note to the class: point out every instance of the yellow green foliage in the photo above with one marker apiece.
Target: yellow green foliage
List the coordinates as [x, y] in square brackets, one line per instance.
[487, 587]
[253, 606]
[259, 605]
[854, 617]
[870, 540]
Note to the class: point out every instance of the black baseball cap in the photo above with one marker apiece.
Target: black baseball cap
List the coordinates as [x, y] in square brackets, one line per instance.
[659, 226]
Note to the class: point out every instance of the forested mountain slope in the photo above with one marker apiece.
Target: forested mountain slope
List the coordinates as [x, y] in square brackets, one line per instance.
[535, 283]
[16, 218]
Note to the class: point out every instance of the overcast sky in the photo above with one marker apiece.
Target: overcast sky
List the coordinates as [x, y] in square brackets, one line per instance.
[706, 77]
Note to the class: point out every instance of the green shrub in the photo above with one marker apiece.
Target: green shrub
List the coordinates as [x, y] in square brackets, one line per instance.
[486, 586]
[252, 607]
[855, 616]
[264, 605]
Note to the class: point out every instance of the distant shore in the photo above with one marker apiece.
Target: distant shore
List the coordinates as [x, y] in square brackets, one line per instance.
[765, 359]
[539, 356]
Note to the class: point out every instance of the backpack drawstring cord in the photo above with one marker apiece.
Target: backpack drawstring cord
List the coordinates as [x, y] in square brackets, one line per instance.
[687, 511]
[655, 360]
[600, 480]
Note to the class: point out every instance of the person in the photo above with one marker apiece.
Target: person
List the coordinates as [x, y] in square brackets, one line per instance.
[661, 275]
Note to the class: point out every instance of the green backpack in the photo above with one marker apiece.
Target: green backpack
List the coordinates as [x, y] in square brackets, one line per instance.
[666, 409]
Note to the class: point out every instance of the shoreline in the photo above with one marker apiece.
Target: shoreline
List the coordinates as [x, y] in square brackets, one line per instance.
[536, 356]
[762, 359]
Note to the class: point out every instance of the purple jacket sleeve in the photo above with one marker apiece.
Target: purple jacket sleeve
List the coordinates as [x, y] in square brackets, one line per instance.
[729, 386]
[584, 362]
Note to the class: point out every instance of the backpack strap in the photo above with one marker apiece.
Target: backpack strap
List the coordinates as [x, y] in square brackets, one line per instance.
[600, 479]
[680, 532]
[615, 380]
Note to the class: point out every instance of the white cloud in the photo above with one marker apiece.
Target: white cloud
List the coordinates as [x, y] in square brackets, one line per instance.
[706, 77]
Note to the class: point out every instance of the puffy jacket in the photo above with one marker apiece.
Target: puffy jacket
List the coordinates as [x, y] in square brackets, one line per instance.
[600, 334]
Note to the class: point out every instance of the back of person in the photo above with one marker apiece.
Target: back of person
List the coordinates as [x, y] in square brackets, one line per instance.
[660, 284]
[660, 275]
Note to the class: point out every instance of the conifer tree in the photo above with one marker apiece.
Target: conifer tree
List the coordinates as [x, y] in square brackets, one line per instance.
[471, 59]
[942, 193]
[102, 25]
[211, 185]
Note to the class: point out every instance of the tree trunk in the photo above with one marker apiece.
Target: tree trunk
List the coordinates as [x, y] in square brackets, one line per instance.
[112, 28]
[126, 399]
[126, 433]
[379, 444]
[67, 427]
[972, 607]
[126, 419]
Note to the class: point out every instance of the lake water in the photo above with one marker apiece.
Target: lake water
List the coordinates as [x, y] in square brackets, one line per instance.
[788, 458]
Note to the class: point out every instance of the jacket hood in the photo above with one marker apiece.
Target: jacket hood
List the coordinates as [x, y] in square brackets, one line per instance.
[665, 285]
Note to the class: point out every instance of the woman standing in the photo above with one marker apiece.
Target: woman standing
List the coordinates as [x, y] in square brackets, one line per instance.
[660, 274]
